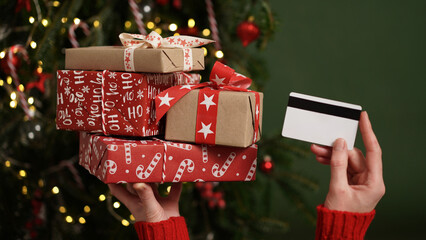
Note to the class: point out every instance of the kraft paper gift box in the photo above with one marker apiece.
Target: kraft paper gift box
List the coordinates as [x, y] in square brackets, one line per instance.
[112, 102]
[235, 118]
[120, 160]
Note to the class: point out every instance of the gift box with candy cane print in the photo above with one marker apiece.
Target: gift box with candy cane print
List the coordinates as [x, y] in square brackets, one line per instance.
[120, 160]
[118, 103]
[140, 53]
[220, 112]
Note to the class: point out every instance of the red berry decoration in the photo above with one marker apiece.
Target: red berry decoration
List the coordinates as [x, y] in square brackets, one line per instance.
[247, 31]
[267, 165]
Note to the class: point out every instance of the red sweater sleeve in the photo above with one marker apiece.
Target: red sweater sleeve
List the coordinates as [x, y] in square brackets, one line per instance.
[339, 225]
[172, 229]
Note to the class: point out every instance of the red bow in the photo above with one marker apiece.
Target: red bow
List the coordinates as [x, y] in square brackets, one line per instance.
[222, 77]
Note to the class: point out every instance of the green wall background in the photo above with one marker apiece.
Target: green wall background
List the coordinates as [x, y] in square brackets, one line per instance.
[370, 53]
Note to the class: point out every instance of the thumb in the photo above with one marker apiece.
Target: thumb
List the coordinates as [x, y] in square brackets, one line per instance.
[339, 165]
[153, 210]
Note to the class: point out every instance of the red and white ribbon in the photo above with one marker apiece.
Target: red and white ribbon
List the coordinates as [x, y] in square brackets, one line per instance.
[222, 77]
[71, 32]
[154, 40]
[138, 16]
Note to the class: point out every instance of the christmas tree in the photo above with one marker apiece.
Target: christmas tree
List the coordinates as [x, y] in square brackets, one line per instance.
[47, 195]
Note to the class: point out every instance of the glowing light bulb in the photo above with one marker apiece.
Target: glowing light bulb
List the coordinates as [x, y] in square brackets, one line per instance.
[40, 183]
[56, 3]
[96, 23]
[33, 44]
[9, 80]
[2, 54]
[219, 54]
[86, 209]
[127, 24]
[62, 209]
[176, 34]
[150, 25]
[116, 205]
[64, 20]
[1, 82]
[21, 87]
[24, 190]
[132, 217]
[45, 22]
[125, 222]
[191, 23]
[173, 27]
[13, 104]
[68, 219]
[7, 163]
[81, 220]
[147, 9]
[31, 19]
[55, 190]
[102, 197]
[168, 189]
[13, 95]
[77, 21]
[206, 32]
[205, 51]
[22, 173]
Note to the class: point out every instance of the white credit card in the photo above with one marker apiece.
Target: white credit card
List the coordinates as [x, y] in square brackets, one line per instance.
[320, 120]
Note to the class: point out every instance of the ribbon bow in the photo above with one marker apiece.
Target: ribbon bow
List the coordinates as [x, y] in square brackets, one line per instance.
[222, 77]
[154, 40]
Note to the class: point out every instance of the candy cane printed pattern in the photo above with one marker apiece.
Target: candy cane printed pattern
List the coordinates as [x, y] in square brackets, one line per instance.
[109, 166]
[127, 151]
[252, 171]
[187, 147]
[141, 174]
[205, 153]
[112, 147]
[219, 173]
[187, 164]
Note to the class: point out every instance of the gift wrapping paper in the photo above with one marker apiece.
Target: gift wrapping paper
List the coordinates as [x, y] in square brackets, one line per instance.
[120, 160]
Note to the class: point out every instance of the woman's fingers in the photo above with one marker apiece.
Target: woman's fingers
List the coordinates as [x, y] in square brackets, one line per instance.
[321, 151]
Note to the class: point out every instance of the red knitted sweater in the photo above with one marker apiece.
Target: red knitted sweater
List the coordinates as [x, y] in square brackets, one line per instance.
[331, 225]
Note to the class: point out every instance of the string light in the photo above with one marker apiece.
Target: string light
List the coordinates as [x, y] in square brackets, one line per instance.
[147, 9]
[116, 205]
[13, 104]
[7, 163]
[127, 24]
[158, 30]
[56, 3]
[21, 87]
[81, 220]
[206, 32]
[219, 54]
[1, 82]
[191, 23]
[176, 34]
[68, 219]
[132, 217]
[22, 173]
[62, 209]
[37, 127]
[31, 100]
[77, 21]
[157, 19]
[173, 27]
[205, 51]
[40, 183]
[64, 20]
[40, 63]
[24, 190]
[45, 22]
[102, 197]
[9, 80]
[150, 25]
[125, 222]
[168, 189]
[31, 19]
[2, 54]
[86, 209]
[55, 190]
[96, 23]
[33, 44]
[13, 95]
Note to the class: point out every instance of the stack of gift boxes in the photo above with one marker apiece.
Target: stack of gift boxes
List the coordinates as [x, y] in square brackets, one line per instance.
[143, 118]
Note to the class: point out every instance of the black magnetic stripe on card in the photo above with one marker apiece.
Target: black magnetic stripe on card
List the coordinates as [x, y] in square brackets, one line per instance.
[324, 108]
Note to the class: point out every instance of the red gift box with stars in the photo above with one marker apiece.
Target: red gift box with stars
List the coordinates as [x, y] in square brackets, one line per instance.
[116, 103]
[120, 160]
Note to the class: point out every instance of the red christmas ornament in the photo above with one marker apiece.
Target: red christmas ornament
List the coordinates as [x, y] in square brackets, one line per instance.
[267, 165]
[247, 32]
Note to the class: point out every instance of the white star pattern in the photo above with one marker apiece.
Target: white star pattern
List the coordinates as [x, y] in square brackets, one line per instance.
[140, 94]
[67, 90]
[129, 128]
[217, 80]
[165, 100]
[80, 123]
[112, 75]
[148, 110]
[186, 87]
[205, 130]
[85, 89]
[208, 101]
